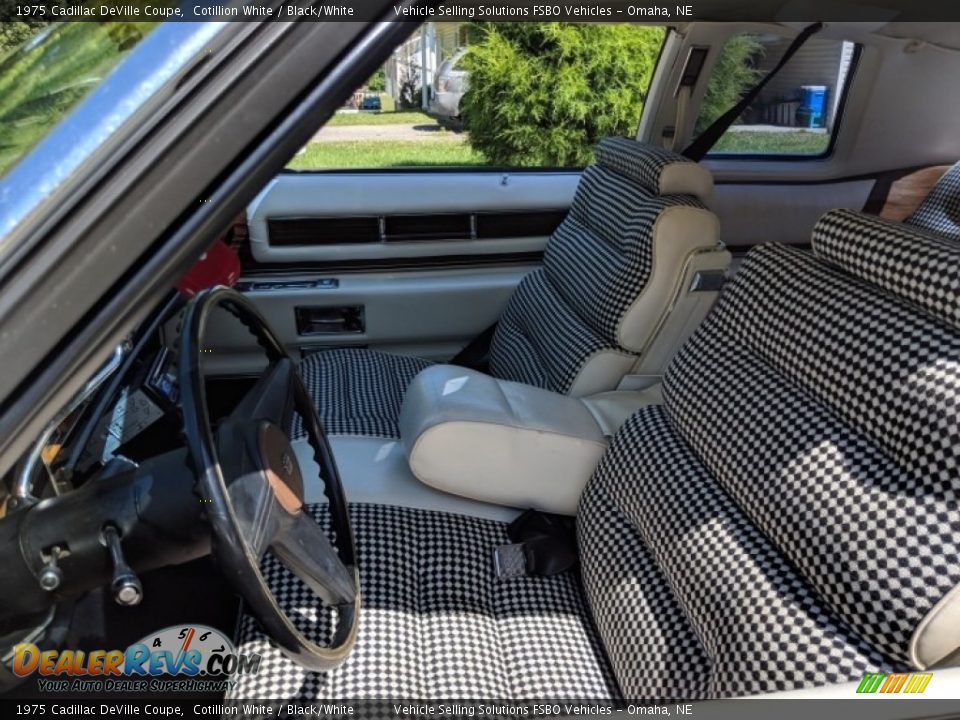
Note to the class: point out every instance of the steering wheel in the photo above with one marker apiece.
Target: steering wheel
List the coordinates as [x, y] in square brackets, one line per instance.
[250, 482]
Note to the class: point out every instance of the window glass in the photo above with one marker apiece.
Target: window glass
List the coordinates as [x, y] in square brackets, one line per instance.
[46, 69]
[493, 94]
[796, 113]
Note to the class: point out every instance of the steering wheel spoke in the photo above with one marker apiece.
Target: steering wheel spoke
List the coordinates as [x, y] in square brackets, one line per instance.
[304, 548]
[258, 514]
[272, 398]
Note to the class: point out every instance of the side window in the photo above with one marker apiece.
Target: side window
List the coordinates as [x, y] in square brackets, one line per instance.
[493, 94]
[797, 113]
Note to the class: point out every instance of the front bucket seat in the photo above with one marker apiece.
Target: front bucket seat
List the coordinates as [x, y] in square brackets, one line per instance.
[577, 325]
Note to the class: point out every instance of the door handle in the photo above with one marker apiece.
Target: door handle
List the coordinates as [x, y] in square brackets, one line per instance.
[338, 320]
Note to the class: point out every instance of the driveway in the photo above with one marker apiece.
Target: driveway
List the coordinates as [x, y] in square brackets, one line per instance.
[408, 132]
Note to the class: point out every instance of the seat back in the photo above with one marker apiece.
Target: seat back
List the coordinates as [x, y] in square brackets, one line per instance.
[940, 210]
[791, 516]
[611, 271]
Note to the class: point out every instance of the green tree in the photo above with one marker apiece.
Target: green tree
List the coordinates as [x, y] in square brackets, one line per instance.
[14, 33]
[16, 29]
[543, 94]
[377, 81]
[735, 73]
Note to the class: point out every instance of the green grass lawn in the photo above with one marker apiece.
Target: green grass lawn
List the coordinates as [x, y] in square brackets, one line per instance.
[399, 153]
[384, 154]
[381, 118]
[773, 143]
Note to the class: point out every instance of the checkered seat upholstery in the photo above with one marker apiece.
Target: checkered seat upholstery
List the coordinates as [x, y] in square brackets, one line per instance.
[577, 324]
[940, 210]
[788, 518]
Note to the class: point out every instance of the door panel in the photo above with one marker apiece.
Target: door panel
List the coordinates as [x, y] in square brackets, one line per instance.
[375, 210]
[755, 213]
[428, 314]
[415, 262]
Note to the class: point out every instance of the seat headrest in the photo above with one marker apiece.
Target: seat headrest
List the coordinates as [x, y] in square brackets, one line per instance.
[916, 265]
[940, 210]
[660, 171]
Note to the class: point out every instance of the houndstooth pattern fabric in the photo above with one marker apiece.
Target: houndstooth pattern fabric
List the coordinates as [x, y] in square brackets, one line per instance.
[540, 341]
[358, 392]
[940, 210]
[435, 622]
[791, 514]
[640, 162]
[596, 264]
[692, 598]
[833, 422]
[915, 265]
[601, 259]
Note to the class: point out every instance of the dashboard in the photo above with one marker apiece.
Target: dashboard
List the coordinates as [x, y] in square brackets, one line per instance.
[129, 411]
[140, 405]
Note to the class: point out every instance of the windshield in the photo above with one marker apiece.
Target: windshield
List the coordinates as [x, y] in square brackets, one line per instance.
[47, 69]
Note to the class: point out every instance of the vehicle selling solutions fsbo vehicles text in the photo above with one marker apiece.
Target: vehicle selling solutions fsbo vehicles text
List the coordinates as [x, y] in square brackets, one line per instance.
[561, 12]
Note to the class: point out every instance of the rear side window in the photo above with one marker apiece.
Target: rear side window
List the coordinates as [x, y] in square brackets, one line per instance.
[797, 113]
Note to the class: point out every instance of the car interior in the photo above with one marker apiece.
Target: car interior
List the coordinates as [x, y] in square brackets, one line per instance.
[663, 428]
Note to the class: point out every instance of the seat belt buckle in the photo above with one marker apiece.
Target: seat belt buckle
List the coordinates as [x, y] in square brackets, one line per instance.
[509, 561]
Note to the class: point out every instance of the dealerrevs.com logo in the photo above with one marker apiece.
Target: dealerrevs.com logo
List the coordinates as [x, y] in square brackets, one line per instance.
[191, 658]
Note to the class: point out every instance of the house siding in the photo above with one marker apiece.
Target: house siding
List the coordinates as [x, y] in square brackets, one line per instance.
[818, 62]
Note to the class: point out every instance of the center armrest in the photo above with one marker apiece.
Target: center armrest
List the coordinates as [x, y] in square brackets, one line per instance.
[499, 441]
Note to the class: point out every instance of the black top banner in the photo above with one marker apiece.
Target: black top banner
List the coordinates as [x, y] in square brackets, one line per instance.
[797, 11]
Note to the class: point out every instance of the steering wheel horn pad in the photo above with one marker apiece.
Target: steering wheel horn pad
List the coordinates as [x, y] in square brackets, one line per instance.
[279, 465]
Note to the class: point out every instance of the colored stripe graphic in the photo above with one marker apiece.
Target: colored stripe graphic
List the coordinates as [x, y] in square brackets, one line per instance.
[893, 683]
[918, 682]
[871, 682]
